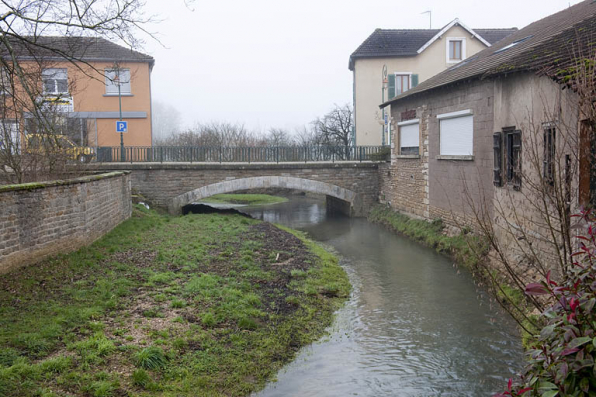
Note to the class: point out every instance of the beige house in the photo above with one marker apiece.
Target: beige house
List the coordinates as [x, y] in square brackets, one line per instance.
[392, 61]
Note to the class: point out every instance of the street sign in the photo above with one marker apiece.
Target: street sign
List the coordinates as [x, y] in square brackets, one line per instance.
[121, 126]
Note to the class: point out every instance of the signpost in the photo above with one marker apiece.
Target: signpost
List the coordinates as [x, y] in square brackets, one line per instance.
[121, 126]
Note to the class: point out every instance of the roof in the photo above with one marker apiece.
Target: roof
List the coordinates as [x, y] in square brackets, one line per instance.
[410, 42]
[89, 49]
[547, 47]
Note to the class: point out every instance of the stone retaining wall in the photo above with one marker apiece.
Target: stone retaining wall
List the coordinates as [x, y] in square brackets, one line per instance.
[41, 219]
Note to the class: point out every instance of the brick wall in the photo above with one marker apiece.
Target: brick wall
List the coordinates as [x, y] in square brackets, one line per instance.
[42, 219]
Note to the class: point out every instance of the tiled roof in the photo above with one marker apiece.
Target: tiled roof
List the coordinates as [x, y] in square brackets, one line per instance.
[407, 42]
[75, 48]
[545, 47]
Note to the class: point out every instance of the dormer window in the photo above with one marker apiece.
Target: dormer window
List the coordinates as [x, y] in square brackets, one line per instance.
[55, 81]
[456, 49]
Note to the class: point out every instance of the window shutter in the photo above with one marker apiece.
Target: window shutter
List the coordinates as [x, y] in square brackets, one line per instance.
[391, 86]
[516, 160]
[457, 136]
[409, 139]
[498, 159]
[414, 80]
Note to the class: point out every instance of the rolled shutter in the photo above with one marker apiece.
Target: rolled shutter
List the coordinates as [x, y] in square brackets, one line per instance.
[498, 159]
[414, 80]
[457, 136]
[391, 86]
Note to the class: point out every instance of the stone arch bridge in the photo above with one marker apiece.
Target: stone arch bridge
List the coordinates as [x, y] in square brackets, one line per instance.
[351, 188]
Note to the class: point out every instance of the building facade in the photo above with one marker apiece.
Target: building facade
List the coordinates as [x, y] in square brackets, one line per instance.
[86, 84]
[391, 62]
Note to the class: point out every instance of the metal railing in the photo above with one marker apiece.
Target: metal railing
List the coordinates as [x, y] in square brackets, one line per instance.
[260, 154]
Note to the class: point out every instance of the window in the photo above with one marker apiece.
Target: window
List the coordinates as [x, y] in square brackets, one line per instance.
[409, 137]
[5, 83]
[113, 79]
[401, 82]
[498, 159]
[507, 156]
[9, 136]
[513, 157]
[508, 46]
[456, 133]
[55, 81]
[456, 49]
[550, 135]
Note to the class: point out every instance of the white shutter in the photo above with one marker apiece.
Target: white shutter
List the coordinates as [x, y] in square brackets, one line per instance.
[409, 135]
[457, 136]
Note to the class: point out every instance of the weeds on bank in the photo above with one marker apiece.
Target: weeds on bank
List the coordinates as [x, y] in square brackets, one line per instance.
[196, 305]
[466, 249]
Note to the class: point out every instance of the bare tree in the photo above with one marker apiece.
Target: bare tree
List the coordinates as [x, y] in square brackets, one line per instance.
[279, 137]
[27, 48]
[335, 128]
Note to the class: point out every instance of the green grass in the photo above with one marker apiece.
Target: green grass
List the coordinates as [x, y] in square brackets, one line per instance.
[466, 249]
[249, 199]
[193, 305]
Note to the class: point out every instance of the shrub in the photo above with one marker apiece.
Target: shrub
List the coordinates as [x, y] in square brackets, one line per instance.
[141, 378]
[561, 362]
[151, 357]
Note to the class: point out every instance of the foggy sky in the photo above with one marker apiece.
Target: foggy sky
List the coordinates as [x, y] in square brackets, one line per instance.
[270, 63]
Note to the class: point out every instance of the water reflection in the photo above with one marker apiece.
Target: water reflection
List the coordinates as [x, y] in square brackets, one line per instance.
[414, 325]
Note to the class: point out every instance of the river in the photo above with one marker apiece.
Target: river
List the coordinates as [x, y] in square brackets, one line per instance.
[415, 325]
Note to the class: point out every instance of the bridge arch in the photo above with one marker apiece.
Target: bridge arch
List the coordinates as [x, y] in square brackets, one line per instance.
[351, 198]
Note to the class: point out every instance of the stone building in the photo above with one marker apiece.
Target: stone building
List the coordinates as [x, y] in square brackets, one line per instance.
[499, 140]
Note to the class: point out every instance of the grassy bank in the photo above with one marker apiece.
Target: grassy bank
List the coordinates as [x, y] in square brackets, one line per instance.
[249, 199]
[465, 249]
[209, 305]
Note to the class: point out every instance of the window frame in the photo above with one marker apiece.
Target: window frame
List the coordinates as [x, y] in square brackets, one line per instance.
[45, 78]
[511, 158]
[401, 76]
[404, 124]
[549, 155]
[448, 49]
[109, 82]
[450, 116]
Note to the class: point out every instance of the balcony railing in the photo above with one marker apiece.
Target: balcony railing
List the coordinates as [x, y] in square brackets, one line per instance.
[223, 154]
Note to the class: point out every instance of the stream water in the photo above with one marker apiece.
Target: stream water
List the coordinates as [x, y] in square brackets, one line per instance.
[415, 325]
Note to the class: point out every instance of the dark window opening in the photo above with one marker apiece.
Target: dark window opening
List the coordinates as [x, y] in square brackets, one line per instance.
[507, 158]
[549, 155]
[498, 159]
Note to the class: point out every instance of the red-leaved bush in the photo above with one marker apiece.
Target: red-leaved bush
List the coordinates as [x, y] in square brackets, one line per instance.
[561, 363]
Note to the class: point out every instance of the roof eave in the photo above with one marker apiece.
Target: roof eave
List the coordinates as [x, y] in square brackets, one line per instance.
[451, 24]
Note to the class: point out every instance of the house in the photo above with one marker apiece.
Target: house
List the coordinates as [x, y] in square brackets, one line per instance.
[83, 82]
[392, 61]
[504, 141]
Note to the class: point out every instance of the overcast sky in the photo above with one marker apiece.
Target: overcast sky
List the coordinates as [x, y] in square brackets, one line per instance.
[271, 63]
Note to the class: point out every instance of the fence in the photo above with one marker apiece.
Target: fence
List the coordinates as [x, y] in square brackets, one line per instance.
[277, 154]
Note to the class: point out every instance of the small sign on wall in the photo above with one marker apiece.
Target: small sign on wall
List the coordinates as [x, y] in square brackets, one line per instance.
[121, 126]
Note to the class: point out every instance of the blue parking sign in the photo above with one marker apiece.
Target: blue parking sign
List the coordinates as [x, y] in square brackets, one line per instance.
[121, 126]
